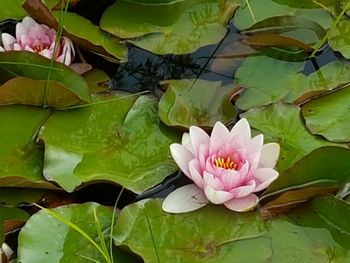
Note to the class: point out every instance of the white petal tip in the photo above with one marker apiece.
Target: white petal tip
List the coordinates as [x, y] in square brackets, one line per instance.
[184, 199]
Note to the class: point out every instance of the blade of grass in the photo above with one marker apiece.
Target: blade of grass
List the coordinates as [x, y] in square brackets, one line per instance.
[76, 228]
[101, 237]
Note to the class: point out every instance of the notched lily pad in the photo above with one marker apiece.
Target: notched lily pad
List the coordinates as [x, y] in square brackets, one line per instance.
[329, 116]
[197, 102]
[176, 27]
[117, 139]
[21, 160]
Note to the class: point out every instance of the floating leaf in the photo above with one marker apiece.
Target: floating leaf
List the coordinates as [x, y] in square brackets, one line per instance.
[14, 64]
[329, 116]
[215, 234]
[120, 141]
[13, 196]
[97, 80]
[257, 11]
[283, 124]
[8, 214]
[281, 81]
[197, 102]
[327, 212]
[35, 242]
[266, 80]
[339, 38]
[324, 167]
[21, 160]
[79, 29]
[176, 27]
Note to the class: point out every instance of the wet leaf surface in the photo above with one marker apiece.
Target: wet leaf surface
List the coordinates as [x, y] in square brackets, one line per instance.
[329, 116]
[21, 160]
[178, 27]
[197, 102]
[339, 39]
[35, 239]
[200, 236]
[282, 123]
[119, 141]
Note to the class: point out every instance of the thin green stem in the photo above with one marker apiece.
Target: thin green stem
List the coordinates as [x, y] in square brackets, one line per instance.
[63, 12]
[250, 10]
[324, 40]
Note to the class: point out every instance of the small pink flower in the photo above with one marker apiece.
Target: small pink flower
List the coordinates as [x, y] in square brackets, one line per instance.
[228, 168]
[33, 37]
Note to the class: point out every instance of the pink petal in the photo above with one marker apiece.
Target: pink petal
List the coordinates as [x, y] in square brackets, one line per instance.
[46, 53]
[243, 204]
[264, 177]
[1, 49]
[244, 190]
[17, 47]
[242, 129]
[184, 199]
[230, 179]
[216, 197]
[269, 155]
[182, 157]
[196, 173]
[212, 181]
[24, 27]
[203, 154]
[8, 41]
[219, 136]
[198, 137]
[186, 141]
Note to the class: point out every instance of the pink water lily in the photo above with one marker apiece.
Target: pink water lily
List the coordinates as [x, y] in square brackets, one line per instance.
[228, 168]
[33, 37]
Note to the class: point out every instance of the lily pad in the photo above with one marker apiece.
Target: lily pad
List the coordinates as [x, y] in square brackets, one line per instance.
[14, 64]
[36, 237]
[339, 39]
[117, 139]
[324, 167]
[329, 116]
[14, 196]
[176, 27]
[215, 234]
[281, 81]
[282, 123]
[246, 17]
[197, 102]
[97, 80]
[10, 214]
[21, 160]
[266, 80]
[326, 212]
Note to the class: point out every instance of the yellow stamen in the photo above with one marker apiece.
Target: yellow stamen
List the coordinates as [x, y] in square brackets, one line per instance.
[225, 163]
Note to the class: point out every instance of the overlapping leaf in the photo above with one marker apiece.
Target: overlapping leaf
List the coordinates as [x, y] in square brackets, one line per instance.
[215, 234]
[198, 102]
[175, 27]
[119, 141]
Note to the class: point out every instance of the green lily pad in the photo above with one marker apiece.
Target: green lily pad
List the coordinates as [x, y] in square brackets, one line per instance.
[323, 167]
[306, 3]
[21, 160]
[329, 116]
[176, 27]
[197, 102]
[215, 234]
[45, 239]
[339, 39]
[82, 28]
[261, 10]
[14, 64]
[282, 123]
[287, 83]
[117, 139]
[97, 80]
[14, 196]
[262, 87]
[10, 214]
[326, 212]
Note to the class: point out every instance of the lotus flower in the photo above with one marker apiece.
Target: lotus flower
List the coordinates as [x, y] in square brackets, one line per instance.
[228, 168]
[33, 37]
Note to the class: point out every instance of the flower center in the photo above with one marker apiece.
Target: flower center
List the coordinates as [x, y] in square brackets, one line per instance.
[39, 47]
[225, 163]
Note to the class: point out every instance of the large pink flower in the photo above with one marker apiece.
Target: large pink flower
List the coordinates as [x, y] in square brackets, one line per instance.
[33, 37]
[228, 168]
